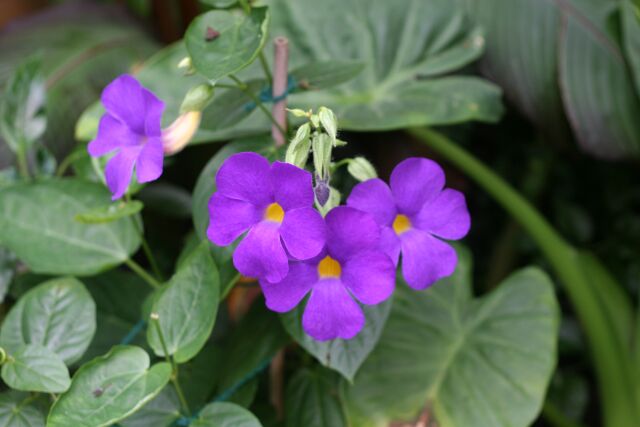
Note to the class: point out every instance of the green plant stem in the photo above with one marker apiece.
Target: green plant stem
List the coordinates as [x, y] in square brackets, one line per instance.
[265, 67]
[147, 249]
[612, 361]
[23, 165]
[136, 268]
[174, 367]
[243, 87]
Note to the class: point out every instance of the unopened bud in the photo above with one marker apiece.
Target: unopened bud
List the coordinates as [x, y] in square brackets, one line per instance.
[180, 132]
[197, 98]
[322, 192]
[361, 169]
[186, 65]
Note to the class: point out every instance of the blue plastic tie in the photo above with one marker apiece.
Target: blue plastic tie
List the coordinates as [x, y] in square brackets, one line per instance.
[266, 94]
[133, 333]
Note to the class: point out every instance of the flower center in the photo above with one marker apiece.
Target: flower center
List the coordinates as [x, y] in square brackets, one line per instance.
[329, 267]
[274, 213]
[401, 224]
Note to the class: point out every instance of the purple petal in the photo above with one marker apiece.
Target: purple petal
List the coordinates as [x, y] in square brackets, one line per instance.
[350, 231]
[149, 165]
[112, 134]
[229, 218]
[288, 293]
[370, 276]
[292, 186]
[261, 255]
[390, 244]
[425, 259]
[119, 170]
[331, 312]
[374, 196]
[154, 108]
[303, 232]
[446, 216]
[123, 98]
[246, 176]
[415, 181]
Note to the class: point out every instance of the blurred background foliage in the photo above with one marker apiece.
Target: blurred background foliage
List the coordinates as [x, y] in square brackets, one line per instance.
[566, 134]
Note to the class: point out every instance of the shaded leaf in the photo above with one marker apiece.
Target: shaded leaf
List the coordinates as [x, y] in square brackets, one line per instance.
[36, 217]
[109, 388]
[35, 368]
[16, 410]
[312, 400]
[59, 314]
[224, 414]
[162, 411]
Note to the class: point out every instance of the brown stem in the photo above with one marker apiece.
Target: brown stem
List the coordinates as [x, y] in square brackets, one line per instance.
[280, 82]
[276, 376]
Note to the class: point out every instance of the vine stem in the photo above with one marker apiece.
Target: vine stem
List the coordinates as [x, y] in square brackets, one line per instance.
[279, 88]
[23, 165]
[611, 359]
[146, 248]
[243, 87]
[155, 319]
[136, 268]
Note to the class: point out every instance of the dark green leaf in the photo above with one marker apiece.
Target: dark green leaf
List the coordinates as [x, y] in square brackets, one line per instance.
[162, 411]
[312, 400]
[343, 356]
[167, 199]
[206, 186]
[187, 307]
[7, 269]
[225, 415]
[36, 217]
[631, 27]
[35, 368]
[224, 42]
[319, 75]
[405, 46]
[22, 121]
[16, 410]
[219, 4]
[110, 212]
[109, 388]
[484, 362]
[59, 314]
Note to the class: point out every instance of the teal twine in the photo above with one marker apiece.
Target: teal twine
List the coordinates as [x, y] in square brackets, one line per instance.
[133, 333]
[266, 94]
[225, 395]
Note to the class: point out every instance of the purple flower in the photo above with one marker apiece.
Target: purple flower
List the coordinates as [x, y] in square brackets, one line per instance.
[351, 265]
[274, 203]
[415, 213]
[131, 128]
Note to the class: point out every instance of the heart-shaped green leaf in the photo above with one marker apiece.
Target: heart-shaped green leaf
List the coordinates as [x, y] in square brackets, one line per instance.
[35, 368]
[206, 186]
[36, 217]
[408, 48]
[312, 400]
[223, 414]
[162, 411]
[109, 388]
[186, 307]
[223, 42]
[480, 362]
[59, 314]
[343, 356]
[16, 410]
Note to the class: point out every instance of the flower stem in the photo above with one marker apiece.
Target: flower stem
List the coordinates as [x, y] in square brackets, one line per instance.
[265, 67]
[612, 359]
[244, 88]
[155, 319]
[146, 248]
[23, 165]
[136, 268]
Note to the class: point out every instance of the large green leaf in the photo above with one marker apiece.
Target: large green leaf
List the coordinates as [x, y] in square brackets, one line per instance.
[187, 307]
[162, 411]
[558, 57]
[630, 10]
[312, 400]
[16, 410]
[223, 42]
[474, 362]
[109, 388]
[206, 186]
[59, 314]
[344, 356]
[224, 414]
[37, 224]
[408, 48]
[35, 368]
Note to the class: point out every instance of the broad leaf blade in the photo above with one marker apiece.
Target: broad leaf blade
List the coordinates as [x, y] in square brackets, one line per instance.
[224, 42]
[187, 307]
[224, 414]
[163, 410]
[16, 410]
[312, 400]
[35, 217]
[59, 314]
[343, 356]
[110, 212]
[35, 368]
[484, 362]
[109, 388]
